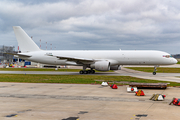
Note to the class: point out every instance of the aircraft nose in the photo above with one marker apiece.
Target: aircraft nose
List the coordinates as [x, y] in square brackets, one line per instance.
[174, 61]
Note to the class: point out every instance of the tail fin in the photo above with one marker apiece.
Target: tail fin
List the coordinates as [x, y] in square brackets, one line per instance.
[25, 43]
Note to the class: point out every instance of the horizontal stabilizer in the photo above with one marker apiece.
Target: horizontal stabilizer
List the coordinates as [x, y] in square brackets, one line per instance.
[19, 55]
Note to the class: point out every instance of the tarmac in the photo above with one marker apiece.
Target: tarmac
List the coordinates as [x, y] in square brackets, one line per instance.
[39, 101]
[30, 101]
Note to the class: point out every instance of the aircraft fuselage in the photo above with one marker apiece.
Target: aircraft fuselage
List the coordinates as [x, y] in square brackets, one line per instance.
[115, 57]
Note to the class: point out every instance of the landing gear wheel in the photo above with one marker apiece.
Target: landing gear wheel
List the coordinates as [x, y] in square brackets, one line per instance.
[93, 71]
[89, 71]
[154, 73]
[81, 72]
[85, 72]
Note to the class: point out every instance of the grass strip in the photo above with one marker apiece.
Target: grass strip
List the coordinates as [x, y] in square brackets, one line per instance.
[159, 69]
[77, 79]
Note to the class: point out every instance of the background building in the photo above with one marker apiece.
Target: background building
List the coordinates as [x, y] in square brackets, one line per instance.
[177, 56]
[6, 58]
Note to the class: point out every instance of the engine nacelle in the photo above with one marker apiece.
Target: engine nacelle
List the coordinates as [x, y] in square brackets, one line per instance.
[101, 66]
[115, 67]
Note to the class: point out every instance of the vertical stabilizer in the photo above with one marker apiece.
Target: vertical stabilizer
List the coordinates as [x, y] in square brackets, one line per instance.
[25, 43]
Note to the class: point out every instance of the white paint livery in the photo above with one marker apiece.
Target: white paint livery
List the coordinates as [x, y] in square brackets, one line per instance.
[102, 60]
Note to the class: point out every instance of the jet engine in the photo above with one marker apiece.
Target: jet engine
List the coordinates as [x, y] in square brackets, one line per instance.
[115, 67]
[101, 65]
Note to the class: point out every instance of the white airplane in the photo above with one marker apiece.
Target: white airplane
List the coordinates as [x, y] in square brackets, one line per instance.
[102, 60]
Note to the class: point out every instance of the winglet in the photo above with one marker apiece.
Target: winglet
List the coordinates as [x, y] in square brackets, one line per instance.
[25, 43]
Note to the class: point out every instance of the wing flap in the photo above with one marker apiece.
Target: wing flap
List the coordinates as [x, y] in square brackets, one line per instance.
[75, 59]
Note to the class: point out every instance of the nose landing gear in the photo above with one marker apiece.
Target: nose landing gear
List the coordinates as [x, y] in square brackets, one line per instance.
[154, 73]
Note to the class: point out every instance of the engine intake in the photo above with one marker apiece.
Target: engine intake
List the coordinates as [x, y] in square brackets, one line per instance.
[115, 67]
[101, 66]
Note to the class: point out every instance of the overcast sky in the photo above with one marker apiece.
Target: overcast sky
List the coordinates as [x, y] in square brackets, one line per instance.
[94, 24]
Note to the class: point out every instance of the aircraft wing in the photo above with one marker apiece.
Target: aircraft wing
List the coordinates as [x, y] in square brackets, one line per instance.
[75, 59]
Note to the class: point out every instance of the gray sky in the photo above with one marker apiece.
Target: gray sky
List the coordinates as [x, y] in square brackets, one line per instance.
[94, 24]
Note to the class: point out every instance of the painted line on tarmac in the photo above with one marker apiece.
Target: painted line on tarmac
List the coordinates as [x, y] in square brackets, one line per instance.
[94, 98]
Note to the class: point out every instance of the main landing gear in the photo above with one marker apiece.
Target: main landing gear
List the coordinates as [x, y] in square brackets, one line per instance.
[84, 71]
[87, 72]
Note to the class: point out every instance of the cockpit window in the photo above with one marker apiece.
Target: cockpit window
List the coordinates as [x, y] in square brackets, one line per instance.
[167, 56]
